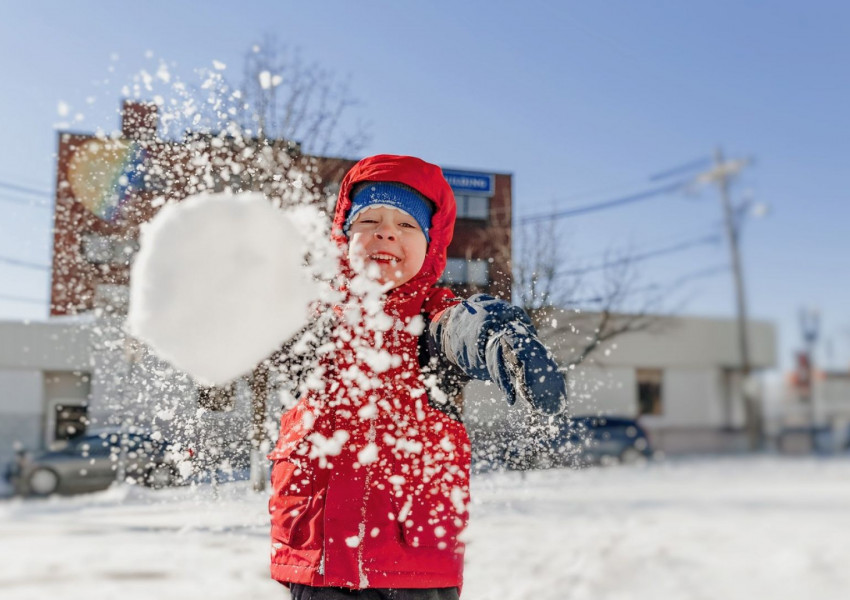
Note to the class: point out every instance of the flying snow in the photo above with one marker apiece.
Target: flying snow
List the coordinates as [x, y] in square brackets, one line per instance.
[219, 284]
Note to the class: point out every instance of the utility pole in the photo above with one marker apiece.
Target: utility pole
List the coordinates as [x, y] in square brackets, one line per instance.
[721, 174]
[259, 385]
[810, 328]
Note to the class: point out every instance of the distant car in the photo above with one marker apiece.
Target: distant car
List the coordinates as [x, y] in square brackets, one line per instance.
[93, 462]
[581, 441]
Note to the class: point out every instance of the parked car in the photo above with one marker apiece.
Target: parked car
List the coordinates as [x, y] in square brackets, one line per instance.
[581, 441]
[94, 461]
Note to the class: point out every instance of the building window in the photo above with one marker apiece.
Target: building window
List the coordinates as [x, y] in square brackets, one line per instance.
[649, 391]
[107, 250]
[71, 421]
[466, 271]
[112, 297]
[97, 249]
[472, 207]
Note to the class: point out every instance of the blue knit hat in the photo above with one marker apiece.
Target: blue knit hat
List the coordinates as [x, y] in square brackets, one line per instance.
[395, 195]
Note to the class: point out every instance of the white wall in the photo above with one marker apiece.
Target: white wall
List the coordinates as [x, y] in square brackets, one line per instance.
[690, 397]
[592, 391]
[832, 398]
[21, 410]
[27, 350]
[669, 342]
[596, 390]
[694, 405]
[132, 385]
[59, 345]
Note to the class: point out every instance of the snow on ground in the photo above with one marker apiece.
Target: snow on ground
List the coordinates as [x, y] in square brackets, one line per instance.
[763, 527]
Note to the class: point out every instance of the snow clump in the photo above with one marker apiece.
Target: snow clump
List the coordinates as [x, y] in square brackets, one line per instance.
[219, 283]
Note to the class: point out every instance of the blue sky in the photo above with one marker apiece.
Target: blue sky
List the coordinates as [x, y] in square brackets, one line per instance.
[581, 101]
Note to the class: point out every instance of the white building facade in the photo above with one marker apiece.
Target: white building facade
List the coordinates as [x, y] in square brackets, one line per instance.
[680, 378]
[45, 382]
[66, 375]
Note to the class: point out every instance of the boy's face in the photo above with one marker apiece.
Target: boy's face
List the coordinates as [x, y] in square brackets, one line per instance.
[389, 239]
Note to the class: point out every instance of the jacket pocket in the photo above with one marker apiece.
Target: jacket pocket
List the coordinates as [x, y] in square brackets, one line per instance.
[432, 520]
[293, 429]
[431, 509]
[295, 519]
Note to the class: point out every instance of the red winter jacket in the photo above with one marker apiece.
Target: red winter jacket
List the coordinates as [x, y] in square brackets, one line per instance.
[370, 482]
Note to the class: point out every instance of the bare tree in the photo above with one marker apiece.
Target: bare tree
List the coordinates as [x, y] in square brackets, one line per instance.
[551, 293]
[596, 303]
[555, 292]
[286, 98]
[537, 287]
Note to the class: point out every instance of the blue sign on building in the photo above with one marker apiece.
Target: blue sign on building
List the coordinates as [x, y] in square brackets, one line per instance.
[470, 183]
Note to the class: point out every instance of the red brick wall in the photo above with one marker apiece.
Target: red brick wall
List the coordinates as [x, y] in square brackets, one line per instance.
[74, 279]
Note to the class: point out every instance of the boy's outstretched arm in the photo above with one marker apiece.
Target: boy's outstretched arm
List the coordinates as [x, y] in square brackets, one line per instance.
[491, 339]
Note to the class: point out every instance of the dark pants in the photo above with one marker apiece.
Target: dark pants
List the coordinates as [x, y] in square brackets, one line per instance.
[306, 592]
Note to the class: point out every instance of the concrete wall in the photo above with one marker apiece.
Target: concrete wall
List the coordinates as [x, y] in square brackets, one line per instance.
[830, 406]
[693, 418]
[611, 390]
[690, 397]
[60, 345]
[669, 342]
[700, 391]
[130, 385]
[27, 351]
[83, 361]
[832, 398]
[21, 411]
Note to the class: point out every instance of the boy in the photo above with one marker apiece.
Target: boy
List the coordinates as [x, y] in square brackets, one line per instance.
[371, 470]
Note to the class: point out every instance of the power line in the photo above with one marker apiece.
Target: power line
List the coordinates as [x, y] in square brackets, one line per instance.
[630, 199]
[605, 190]
[23, 263]
[644, 246]
[693, 275]
[22, 189]
[680, 247]
[22, 299]
[702, 273]
[25, 202]
[693, 165]
[698, 163]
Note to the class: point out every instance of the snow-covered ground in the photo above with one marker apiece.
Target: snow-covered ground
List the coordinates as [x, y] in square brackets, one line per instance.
[748, 528]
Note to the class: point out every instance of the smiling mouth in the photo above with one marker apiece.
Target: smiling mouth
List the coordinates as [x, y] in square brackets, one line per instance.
[384, 258]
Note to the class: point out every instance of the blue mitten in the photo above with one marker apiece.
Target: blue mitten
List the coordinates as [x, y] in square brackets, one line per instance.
[493, 340]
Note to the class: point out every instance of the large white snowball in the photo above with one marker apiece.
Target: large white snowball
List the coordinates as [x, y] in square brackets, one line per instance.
[219, 284]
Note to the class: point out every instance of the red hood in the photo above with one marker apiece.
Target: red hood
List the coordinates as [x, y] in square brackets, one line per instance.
[425, 178]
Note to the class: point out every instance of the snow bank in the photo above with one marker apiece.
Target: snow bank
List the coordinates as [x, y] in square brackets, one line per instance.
[220, 282]
[734, 529]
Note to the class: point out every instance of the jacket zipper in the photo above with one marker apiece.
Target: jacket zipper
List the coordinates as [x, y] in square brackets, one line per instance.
[361, 529]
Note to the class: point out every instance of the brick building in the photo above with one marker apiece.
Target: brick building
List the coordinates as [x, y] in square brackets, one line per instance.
[108, 186]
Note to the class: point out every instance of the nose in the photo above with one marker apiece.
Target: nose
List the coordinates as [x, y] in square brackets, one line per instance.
[386, 231]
